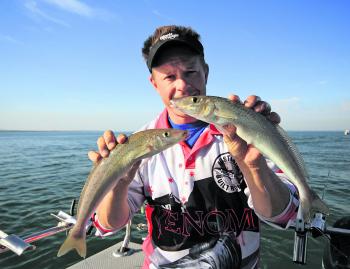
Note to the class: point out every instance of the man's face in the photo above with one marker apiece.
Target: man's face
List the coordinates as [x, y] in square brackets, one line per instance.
[179, 73]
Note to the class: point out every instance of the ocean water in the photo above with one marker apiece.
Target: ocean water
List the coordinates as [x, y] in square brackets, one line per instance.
[41, 172]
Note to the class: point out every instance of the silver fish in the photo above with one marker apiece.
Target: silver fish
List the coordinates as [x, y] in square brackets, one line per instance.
[270, 139]
[107, 172]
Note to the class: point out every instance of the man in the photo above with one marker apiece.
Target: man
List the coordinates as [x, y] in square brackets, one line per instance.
[205, 193]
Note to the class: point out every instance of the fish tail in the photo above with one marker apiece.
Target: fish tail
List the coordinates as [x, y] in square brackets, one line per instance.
[73, 242]
[317, 205]
[304, 210]
[311, 203]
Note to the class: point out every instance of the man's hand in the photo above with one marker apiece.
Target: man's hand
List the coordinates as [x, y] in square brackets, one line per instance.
[269, 194]
[237, 146]
[105, 144]
[259, 106]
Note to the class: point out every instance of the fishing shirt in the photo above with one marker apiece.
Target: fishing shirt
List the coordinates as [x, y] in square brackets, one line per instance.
[194, 194]
[194, 130]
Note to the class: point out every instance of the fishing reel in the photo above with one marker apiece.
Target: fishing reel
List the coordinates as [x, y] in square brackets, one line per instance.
[317, 228]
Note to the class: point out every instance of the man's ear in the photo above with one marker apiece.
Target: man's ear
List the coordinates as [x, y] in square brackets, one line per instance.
[153, 82]
[206, 70]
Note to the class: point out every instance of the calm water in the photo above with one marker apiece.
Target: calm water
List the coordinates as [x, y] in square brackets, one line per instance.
[41, 172]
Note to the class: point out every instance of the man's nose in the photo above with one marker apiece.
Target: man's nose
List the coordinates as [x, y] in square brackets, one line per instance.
[181, 84]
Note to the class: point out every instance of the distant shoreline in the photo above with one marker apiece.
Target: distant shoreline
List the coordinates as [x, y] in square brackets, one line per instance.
[51, 130]
[335, 131]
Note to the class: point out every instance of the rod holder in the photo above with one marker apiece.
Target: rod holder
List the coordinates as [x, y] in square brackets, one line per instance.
[124, 249]
[14, 243]
[300, 242]
[300, 245]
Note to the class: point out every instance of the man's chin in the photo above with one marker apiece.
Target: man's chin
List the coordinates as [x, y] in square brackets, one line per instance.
[184, 116]
[181, 117]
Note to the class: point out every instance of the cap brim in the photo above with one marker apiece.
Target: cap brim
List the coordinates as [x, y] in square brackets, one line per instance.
[197, 46]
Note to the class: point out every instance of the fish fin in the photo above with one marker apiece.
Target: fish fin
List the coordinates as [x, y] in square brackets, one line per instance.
[73, 243]
[220, 129]
[304, 210]
[318, 205]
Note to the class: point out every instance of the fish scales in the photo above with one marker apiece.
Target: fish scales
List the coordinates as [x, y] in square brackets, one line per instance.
[106, 174]
[270, 139]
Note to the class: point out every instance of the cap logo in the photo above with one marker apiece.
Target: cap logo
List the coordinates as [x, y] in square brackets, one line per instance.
[169, 36]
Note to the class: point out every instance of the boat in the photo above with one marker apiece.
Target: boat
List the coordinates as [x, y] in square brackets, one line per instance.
[347, 132]
[112, 258]
[129, 255]
[123, 254]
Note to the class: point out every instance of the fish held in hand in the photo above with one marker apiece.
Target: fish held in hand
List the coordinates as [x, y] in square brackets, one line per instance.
[105, 175]
[270, 139]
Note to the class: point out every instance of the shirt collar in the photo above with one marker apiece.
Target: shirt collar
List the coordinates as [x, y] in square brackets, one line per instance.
[163, 122]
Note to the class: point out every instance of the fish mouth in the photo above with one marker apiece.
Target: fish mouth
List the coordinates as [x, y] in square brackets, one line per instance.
[172, 104]
[185, 134]
[172, 101]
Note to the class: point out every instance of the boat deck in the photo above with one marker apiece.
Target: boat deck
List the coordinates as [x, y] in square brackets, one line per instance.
[106, 259]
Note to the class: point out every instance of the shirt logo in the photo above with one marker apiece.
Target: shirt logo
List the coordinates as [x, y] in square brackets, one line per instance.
[169, 36]
[227, 174]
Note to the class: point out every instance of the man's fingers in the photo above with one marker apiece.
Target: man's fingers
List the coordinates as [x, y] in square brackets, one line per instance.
[230, 130]
[234, 98]
[251, 100]
[274, 118]
[102, 147]
[262, 107]
[259, 106]
[107, 142]
[94, 156]
[122, 138]
[109, 139]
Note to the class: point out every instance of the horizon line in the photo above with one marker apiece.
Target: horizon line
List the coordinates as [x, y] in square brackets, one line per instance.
[128, 131]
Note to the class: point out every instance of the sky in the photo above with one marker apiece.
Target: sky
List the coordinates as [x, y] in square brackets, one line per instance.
[77, 64]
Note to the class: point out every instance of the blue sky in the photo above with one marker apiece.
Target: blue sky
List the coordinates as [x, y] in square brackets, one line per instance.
[77, 65]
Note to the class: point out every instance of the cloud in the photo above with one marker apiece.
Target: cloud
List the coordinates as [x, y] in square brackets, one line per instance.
[73, 6]
[158, 14]
[10, 39]
[32, 6]
[345, 106]
[81, 9]
[298, 114]
[284, 105]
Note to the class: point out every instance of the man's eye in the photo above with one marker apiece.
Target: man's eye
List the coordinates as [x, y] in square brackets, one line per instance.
[170, 77]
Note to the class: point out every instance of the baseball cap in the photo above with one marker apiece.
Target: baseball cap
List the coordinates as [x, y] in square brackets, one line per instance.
[170, 38]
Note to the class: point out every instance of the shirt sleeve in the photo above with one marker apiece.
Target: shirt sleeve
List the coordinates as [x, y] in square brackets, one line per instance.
[289, 214]
[101, 231]
[136, 198]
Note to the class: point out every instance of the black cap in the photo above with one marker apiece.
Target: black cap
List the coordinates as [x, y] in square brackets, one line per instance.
[173, 37]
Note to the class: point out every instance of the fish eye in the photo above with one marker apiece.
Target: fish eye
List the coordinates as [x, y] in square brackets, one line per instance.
[194, 99]
[166, 134]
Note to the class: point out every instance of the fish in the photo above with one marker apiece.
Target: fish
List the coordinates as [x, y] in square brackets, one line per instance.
[105, 175]
[269, 138]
